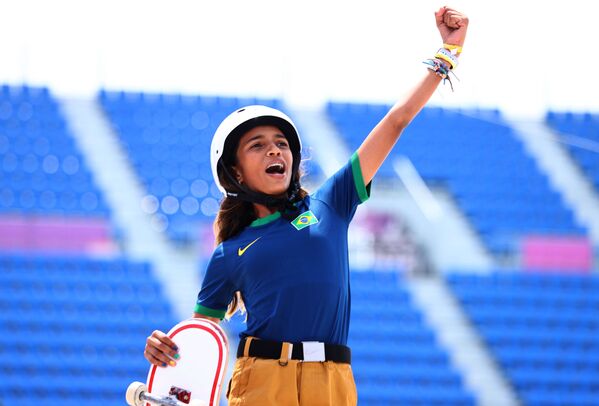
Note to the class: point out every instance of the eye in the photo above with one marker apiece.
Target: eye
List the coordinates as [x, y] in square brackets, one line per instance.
[283, 144]
[256, 145]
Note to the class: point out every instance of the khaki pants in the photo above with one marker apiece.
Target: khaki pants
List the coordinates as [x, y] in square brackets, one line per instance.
[264, 382]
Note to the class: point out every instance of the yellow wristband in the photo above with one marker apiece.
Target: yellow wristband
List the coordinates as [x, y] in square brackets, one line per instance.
[455, 49]
[448, 57]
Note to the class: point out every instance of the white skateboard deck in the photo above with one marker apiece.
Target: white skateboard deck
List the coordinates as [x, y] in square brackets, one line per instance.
[200, 371]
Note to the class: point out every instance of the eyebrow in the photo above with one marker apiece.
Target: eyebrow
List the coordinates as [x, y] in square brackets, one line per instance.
[259, 136]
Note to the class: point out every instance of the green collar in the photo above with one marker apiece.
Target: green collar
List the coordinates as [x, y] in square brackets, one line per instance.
[265, 220]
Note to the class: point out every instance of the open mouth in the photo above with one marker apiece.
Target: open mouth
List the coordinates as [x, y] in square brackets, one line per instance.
[275, 168]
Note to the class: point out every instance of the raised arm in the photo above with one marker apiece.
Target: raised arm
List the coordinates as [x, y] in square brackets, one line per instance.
[452, 26]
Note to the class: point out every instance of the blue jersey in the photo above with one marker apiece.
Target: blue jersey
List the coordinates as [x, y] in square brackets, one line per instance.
[293, 274]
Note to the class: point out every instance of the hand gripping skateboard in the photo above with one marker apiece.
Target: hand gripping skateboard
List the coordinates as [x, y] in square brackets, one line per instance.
[197, 379]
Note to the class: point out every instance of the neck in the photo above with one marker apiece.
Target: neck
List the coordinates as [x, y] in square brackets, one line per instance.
[263, 211]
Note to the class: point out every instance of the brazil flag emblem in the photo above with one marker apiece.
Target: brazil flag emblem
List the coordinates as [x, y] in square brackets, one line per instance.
[304, 220]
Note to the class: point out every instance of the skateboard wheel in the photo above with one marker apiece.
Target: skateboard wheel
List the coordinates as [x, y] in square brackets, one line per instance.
[133, 395]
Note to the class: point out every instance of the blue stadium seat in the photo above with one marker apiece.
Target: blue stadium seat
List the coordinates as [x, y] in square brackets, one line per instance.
[478, 158]
[586, 126]
[75, 326]
[42, 165]
[396, 359]
[543, 330]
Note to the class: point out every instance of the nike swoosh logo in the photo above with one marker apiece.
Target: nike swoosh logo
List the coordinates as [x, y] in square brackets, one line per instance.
[240, 251]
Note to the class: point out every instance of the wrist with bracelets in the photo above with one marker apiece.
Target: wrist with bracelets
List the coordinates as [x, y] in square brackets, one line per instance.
[444, 62]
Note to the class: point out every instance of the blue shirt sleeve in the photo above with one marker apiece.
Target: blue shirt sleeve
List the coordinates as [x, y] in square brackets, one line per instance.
[345, 190]
[217, 290]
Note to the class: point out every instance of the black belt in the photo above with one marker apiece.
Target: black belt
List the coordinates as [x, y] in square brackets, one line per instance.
[272, 350]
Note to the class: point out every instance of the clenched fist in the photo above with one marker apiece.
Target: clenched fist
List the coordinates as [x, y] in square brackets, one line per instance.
[452, 26]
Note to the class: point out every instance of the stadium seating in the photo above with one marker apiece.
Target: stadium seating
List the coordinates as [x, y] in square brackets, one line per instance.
[396, 359]
[43, 171]
[167, 138]
[48, 199]
[476, 156]
[586, 126]
[543, 330]
[74, 329]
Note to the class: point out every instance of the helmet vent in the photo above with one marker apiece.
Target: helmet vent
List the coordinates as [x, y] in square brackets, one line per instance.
[240, 110]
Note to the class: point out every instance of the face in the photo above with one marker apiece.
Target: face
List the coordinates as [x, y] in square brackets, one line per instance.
[264, 161]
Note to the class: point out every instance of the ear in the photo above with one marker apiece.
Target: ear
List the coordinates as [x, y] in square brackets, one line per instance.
[237, 174]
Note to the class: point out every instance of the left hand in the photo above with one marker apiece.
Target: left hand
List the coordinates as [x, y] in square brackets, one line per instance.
[452, 26]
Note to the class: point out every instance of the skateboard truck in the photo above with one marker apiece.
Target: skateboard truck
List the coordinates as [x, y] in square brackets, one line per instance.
[137, 395]
[181, 394]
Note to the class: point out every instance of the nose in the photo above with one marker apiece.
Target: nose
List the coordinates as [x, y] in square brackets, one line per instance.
[274, 150]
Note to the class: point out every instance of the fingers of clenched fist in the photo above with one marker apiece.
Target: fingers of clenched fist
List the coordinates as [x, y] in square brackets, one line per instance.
[439, 15]
[161, 350]
[454, 19]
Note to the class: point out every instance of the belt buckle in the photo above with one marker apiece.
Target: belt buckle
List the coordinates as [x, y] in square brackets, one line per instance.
[313, 351]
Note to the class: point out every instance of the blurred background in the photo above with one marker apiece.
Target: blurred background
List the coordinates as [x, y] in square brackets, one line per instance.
[473, 265]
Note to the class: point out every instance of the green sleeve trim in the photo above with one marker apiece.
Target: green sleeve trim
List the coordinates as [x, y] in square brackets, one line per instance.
[206, 311]
[362, 189]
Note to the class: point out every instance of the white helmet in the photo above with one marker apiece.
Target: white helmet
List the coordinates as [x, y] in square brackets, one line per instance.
[238, 123]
